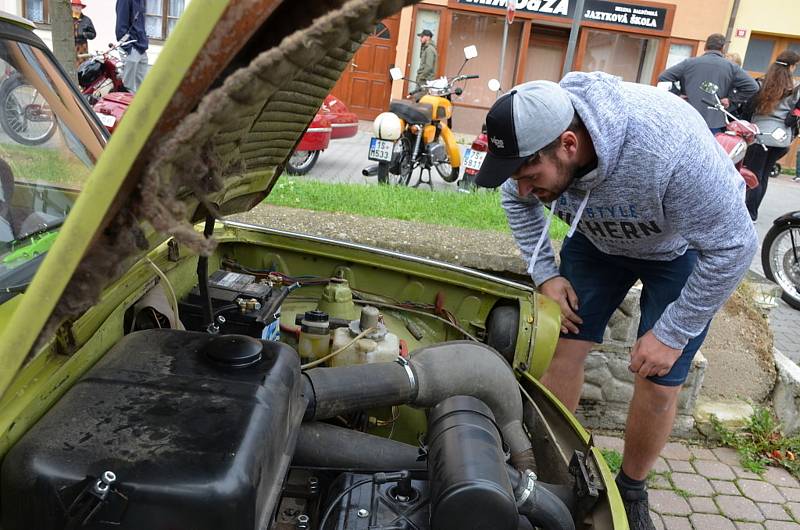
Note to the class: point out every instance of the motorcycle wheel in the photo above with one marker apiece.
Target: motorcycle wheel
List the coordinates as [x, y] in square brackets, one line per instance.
[775, 171]
[447, 171]
[301, 162]
[398, 174]
[25, 116]
[779, 261]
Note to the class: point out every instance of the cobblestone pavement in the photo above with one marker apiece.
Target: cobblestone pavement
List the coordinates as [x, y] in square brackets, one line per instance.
[707, 489]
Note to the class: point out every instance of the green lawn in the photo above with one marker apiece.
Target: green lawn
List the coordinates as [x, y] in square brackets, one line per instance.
[39, 163]
[479, 210]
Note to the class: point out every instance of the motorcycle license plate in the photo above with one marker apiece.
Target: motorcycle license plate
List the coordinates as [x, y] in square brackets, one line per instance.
[473, 159]
[107, 119]
[380, 150]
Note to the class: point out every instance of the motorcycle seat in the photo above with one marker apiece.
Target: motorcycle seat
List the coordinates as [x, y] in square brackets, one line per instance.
[416, 113]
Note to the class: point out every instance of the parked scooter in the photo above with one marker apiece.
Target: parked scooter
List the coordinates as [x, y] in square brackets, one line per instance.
[100, 79]
[779, 256]
[475, 154]
[418, 135]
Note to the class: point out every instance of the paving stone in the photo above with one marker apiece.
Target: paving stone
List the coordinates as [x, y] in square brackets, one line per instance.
[659, 482]
[656, 520]
[725, 487]
[743, 473]
[703, 505]
[794, 507]
[774, 511]
[716, 470]
[780, 477]
[693, 483]
[781, 525]
[739, 508]
[661, 466]
[707, 521]
[749, 526]
[669, 502]
[761, 491]
[791, 494]
[672, 522]
[727, 455]
[681, 466]
[702, 453]
[676, 450]
[609, 442]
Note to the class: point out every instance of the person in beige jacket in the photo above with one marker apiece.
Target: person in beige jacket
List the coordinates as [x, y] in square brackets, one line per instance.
[427, 58]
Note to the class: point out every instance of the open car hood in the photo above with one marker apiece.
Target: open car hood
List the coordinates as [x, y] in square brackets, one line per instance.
[209, 131]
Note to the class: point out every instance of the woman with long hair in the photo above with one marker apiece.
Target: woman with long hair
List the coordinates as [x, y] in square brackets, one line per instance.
[773, 111]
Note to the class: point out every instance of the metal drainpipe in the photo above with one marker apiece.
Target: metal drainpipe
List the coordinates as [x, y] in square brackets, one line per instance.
[731, 22]
[573, 37]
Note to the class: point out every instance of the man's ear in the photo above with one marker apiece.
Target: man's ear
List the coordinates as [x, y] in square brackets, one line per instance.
[569, 141]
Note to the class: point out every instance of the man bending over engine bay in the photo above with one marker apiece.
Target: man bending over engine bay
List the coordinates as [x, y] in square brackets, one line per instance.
[649, 196]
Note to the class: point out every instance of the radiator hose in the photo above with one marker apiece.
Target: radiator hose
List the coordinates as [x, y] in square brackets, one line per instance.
[431, 375]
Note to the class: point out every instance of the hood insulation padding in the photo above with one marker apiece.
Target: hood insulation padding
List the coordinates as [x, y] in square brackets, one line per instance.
[236, 141]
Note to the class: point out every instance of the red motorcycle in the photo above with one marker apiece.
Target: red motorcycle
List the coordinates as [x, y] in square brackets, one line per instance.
[100, 80]
[332, 122]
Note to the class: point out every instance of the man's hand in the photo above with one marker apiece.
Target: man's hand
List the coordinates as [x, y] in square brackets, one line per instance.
[560, 290]
[650, 356]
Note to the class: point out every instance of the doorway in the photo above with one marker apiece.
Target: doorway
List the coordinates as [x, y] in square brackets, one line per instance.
[365, 85]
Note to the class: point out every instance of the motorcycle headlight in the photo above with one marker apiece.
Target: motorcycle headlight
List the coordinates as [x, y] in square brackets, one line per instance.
[387, 126]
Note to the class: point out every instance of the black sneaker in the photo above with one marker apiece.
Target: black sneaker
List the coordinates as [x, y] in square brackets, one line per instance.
[638, 509]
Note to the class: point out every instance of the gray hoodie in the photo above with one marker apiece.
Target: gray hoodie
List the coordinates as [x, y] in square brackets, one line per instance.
[662, 185]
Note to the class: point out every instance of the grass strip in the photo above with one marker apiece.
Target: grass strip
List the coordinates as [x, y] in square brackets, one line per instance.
[478, 210]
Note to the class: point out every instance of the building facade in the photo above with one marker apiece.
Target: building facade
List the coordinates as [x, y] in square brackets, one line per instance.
[160, 18]
[634, 39]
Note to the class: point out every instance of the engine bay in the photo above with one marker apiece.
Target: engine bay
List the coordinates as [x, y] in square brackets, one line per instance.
[298, 402]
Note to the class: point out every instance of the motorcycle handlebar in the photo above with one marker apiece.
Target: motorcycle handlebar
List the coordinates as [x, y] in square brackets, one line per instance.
[474, 76]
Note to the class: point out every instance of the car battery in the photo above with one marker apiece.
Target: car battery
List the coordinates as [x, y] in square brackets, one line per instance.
[241, 305]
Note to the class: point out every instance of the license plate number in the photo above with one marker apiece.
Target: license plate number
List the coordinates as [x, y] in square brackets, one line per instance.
[380, 150]
[473, 159]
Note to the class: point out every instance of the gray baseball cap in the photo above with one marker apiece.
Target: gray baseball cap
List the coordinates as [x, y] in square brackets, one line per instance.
[519, 124]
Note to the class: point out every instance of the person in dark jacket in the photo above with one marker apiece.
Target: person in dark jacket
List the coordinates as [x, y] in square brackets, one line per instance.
[427, 57]
[130, 27]
[735, 85]
[83, 30]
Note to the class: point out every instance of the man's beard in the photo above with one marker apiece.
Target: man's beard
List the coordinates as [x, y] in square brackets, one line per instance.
[566, 175]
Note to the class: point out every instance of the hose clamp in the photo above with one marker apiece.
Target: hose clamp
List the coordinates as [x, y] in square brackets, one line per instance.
[529, 478]
[409, 372]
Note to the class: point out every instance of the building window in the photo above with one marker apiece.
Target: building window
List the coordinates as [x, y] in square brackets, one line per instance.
[630, 57]
[759, 54]
[36, 11]
[161, 17]
[678, 53]
[382, 32]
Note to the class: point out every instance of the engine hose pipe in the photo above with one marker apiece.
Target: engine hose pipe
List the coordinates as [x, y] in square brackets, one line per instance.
[431, 375]
[320, 445]
[540, 502]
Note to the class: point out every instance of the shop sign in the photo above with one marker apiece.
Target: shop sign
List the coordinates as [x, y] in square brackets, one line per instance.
[622, 14]
[558, 8]
[630, 15]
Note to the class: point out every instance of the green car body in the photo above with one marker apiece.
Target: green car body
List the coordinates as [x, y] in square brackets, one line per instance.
[209, 131]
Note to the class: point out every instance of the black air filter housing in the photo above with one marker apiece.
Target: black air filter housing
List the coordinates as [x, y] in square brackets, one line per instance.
[198, 430]
[470, 487]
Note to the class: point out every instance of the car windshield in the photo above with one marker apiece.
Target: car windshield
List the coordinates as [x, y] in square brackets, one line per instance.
[48, 144]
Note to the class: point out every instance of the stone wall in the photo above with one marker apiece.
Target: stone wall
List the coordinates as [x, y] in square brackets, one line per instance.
[608, 385]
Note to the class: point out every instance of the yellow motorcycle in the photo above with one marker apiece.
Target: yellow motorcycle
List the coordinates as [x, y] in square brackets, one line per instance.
[416, 134]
